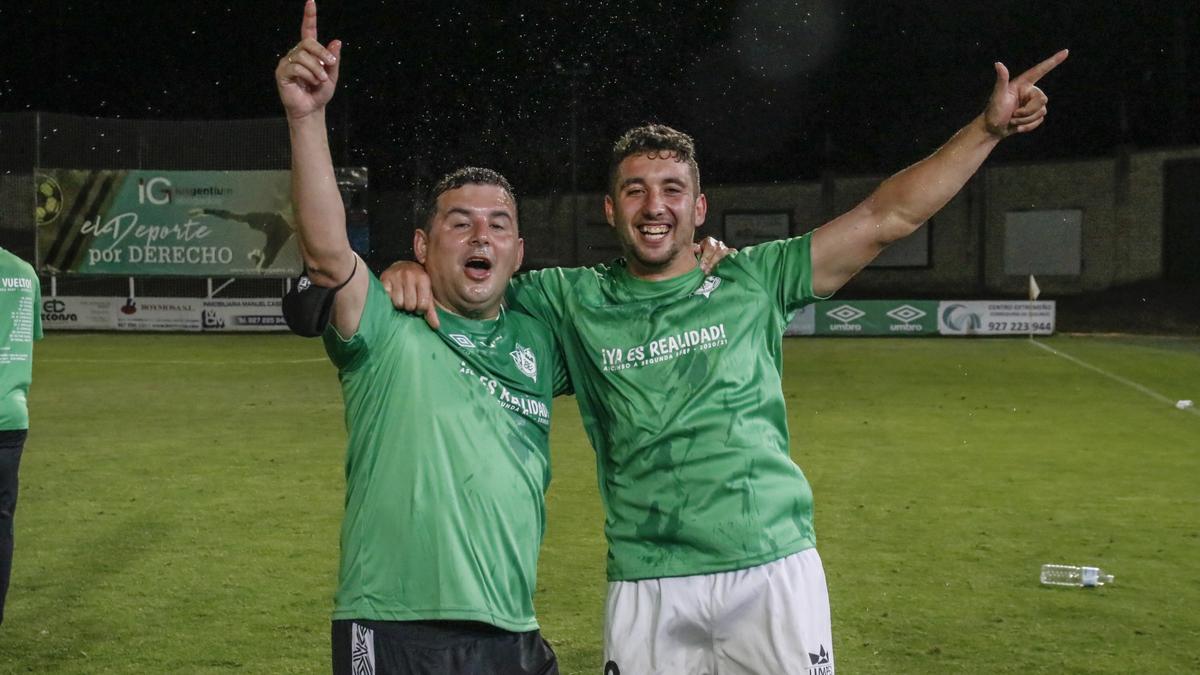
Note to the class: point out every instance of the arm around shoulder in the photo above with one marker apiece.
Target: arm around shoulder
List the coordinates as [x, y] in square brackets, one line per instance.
[541, 293]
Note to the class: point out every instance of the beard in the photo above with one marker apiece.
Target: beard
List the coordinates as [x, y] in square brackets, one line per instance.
[656, 263]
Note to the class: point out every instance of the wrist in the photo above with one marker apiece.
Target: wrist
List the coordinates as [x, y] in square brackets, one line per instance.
[986, 131]
[312, 117]
[994, 131]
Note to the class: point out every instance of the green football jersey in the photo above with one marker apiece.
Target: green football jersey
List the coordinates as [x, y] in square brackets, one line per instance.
[680, 386]
[447, 464]
[20, 325]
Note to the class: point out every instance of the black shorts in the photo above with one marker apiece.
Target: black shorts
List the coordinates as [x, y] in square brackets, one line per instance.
[363, 647]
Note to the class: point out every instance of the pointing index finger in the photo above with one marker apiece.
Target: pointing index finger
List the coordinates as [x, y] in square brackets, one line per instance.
[308, 27]
[1036, 73]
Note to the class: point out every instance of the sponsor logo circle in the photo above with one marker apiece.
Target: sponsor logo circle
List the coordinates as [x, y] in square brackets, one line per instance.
[959, 318]
[49, 202]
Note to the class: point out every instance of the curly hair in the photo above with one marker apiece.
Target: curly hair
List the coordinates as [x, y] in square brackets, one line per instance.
[656, 140]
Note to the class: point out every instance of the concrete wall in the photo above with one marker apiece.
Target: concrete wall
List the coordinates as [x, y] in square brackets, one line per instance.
[953, 246]
[1122, 203]
[1121, 199]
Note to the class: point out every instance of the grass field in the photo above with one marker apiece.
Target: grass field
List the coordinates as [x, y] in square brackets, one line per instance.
[181, 497]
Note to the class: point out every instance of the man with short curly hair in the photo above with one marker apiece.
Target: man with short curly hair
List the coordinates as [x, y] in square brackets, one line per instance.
[712, 560]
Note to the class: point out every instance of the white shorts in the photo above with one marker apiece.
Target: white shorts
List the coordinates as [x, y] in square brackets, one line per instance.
[764, 620]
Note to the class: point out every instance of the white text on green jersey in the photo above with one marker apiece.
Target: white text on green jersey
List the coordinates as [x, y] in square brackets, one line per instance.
[664, 349]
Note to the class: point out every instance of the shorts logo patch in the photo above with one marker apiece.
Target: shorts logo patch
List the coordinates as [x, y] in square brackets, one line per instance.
[525, 360]
[362, 651]
[821, 664]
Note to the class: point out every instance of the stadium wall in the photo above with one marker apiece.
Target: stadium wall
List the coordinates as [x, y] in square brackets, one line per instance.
[1120, 198]
[1122, 203]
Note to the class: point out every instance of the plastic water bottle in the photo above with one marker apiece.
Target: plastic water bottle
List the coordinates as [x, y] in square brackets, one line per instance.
[1074, 575]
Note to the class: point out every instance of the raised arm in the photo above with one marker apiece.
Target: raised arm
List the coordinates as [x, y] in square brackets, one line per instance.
[306, 78]
[902, 203]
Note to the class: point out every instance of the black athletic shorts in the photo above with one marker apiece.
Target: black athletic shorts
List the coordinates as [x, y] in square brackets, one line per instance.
[363, 647]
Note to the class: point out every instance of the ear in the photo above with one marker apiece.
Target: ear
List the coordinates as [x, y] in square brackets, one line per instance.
[520, 254]
[701, 209]
[608, 210]
[420, 245]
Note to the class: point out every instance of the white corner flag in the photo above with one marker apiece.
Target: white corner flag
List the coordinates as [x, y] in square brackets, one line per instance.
[1034, 291]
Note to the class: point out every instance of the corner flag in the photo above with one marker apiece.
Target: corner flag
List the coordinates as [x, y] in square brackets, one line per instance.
[1034, 291]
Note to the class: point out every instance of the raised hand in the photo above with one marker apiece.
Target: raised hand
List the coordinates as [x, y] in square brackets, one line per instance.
[307, 75]
[1017, 106]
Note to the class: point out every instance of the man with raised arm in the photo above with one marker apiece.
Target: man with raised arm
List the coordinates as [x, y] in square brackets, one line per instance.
[447, 458]
[712, 561]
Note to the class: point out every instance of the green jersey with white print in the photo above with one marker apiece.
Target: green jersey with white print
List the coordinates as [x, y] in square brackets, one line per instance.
[680, 386]
[447, 464]
[20, 325]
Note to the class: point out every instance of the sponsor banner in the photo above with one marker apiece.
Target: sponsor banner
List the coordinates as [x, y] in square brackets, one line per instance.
[163, 314]
[995, 317]
[804, 322]
[876, 317]
[154, 314]
[80, 313]
[176, 223]
[243, 314]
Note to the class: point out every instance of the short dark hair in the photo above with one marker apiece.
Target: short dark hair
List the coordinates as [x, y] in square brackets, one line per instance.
[467, 175]
[655, 140]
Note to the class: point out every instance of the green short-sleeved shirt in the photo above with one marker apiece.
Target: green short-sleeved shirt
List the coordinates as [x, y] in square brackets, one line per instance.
[20, 325]
[680, 386]
[446, 466]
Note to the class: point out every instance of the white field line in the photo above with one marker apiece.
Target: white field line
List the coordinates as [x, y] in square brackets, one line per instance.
[1112, 376]
[184, 362]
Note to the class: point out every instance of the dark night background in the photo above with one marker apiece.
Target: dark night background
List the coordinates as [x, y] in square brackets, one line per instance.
[771, 90]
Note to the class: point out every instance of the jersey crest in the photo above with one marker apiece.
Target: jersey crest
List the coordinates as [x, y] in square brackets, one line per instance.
[710, 284]
[525, 360]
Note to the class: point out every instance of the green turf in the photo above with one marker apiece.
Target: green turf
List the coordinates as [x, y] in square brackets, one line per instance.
[181, 498]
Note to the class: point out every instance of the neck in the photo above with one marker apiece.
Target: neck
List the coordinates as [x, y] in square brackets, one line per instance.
[678, 267]
[473, 313]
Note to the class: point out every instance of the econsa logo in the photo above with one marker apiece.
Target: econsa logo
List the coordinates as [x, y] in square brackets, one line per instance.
[56, 310]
